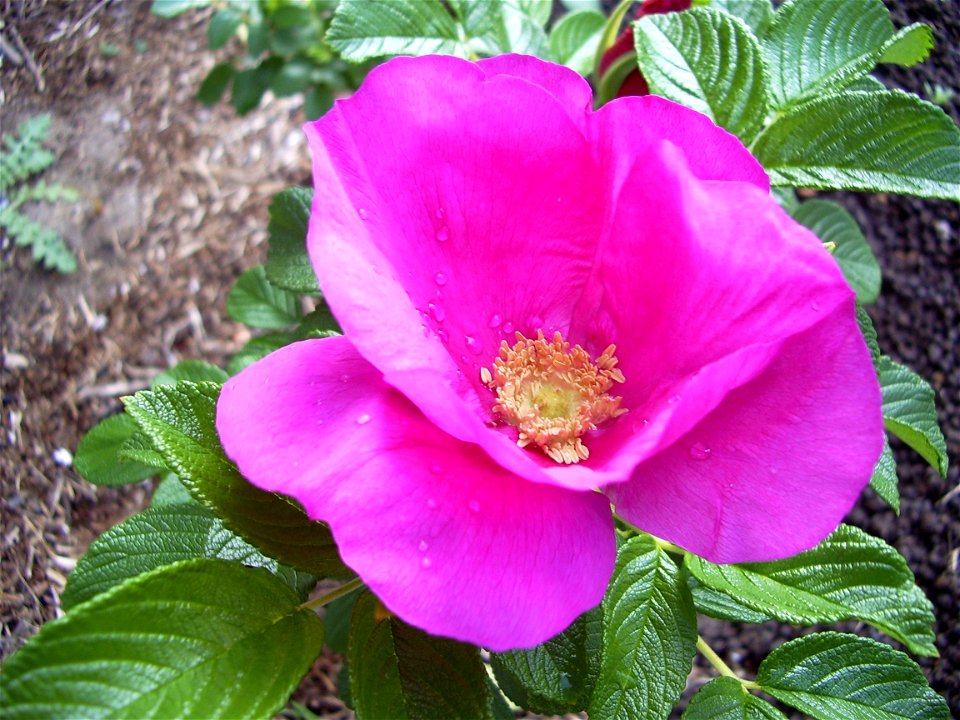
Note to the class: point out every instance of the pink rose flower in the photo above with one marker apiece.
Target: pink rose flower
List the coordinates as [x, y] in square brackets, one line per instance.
[457, 463]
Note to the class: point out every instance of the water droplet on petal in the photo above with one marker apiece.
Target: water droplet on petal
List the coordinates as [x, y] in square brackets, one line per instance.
[344, 378]
[495, 321]
[440, 213]
[423, 546]
[673, 399]
[362, 212]
[815, 305]
[426, 330]
[444, 338]
[536, 322]
[431, 503]
[363, 419]
[473, 345]
[426, 562]
[699, 451]
[436, 469]
[443, 234]
[440, 279]
[437, 311]
[508, 328]
[474, 505]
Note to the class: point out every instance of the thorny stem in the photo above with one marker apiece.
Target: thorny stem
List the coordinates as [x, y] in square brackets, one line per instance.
[720, 666]
[345, 589]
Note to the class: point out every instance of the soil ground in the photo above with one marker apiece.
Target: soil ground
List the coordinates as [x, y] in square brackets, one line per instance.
[174, 208]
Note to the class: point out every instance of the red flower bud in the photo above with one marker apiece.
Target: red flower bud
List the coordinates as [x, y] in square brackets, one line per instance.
[634, 83]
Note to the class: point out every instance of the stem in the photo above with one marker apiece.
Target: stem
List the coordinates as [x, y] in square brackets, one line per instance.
[720, 666]
[345, 589]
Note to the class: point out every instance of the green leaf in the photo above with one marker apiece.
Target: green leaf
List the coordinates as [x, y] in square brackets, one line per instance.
[96, 457]
[876, 141]
[575, 38]
[223, 25]
[495, 27]
[717, 604]
[537, 10]
[649, 635]
[203, 638]
[315, 103]
[192, 370]
[164, 535]
[558, 676]
[172, 8]
[250, 85]
[832, 223]
[834, 675]
[171, 491]
[724, 698]
[869, 334]
[911, 45]
[815, 47]
[709, 61]
[909, 412]
[884, 478]
[850, 575]
[257, 349]
[867, 83]
[362, 30]
[336, 618]
[757, 14]
[292, 78]
[179, 421]
[215, 84]
[401, 673]
[288, 265]
[257, 302]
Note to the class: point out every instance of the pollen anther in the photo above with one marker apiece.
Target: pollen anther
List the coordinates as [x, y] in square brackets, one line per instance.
[553, 393]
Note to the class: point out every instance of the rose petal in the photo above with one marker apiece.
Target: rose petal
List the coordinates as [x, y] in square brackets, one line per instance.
[447, 539]
[403, 198]
[697, 284]
[775, 467]
[568, 87]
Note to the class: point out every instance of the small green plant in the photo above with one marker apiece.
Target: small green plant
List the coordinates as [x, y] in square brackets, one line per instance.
[938, 94]
[285, 52]
[23, 157]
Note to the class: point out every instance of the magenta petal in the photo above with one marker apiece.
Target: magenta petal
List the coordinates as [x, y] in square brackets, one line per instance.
[775, 467]
[624, 129]
[447, 539]
[433, 232]
[567, 86]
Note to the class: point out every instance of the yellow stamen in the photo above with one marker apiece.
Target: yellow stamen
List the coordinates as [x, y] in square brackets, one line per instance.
[553, 393]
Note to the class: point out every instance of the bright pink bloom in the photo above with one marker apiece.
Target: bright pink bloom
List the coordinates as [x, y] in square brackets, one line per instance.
[457, 203]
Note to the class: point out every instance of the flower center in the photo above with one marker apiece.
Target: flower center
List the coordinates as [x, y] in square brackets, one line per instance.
[553, 393]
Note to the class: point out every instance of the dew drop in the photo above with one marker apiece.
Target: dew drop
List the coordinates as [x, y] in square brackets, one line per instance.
[508, 328]
[344, 378]
[495, 321]
[815, 305]
[362, 212]
[296, 463]
[536, 322]
[436, 469]
[431, 503]
[363, 419]
[320, 422]
[426, 330]
[426, 562]
[423, 546]
[437, 311]
[440, 279]
[440, 213]
[673, 399]
[473, 345]
[699, 451]
[474, 505]
[443, 234]
[444, 338]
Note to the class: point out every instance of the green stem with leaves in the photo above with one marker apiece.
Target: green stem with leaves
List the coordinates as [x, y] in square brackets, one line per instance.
[345, 589]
